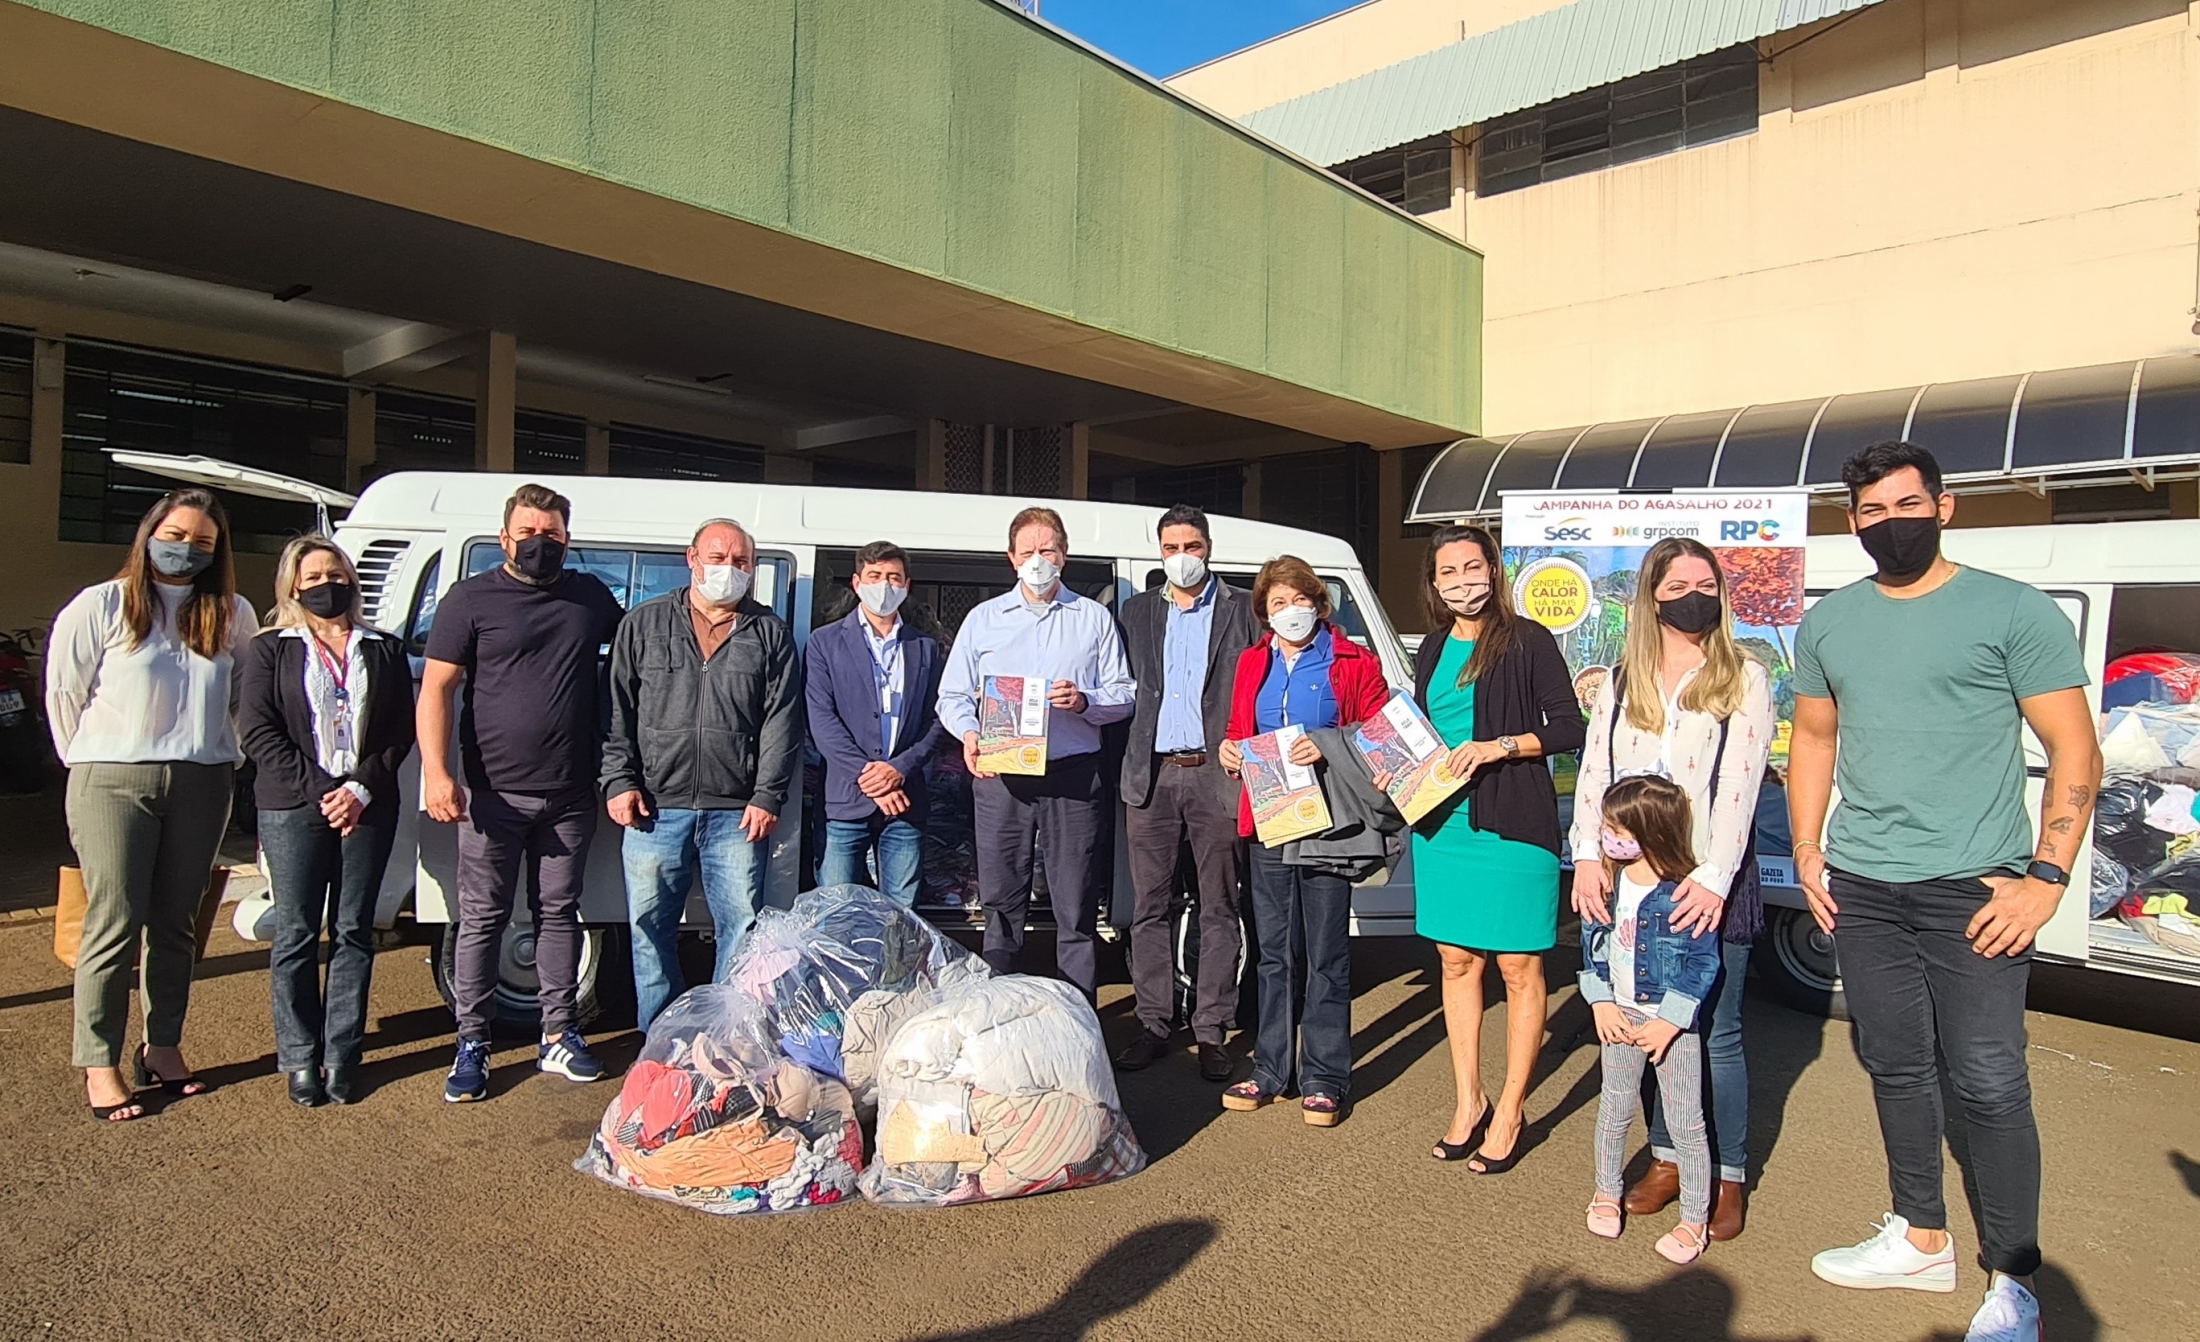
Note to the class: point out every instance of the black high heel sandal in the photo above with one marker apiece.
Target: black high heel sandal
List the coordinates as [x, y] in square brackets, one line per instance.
[1465, 1147]
[1493, 1165]
[181, 1087]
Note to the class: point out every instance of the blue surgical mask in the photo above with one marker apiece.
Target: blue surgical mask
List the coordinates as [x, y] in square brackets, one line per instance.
[178, 559]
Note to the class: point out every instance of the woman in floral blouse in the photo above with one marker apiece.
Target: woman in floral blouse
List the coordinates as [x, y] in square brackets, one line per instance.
[1686, 703]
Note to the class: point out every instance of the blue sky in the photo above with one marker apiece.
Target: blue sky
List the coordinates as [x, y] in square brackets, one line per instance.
[1162, 37]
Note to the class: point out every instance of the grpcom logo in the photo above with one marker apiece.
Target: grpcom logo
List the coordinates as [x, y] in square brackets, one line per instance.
[1767, 531]
[1570, 529]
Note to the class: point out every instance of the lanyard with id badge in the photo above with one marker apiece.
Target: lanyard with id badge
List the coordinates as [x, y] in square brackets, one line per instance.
[339, 676]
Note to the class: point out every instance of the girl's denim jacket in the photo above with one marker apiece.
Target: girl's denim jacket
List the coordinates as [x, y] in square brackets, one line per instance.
[1673, 970]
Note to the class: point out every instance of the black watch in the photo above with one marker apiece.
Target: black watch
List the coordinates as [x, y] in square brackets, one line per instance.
[2048, 872]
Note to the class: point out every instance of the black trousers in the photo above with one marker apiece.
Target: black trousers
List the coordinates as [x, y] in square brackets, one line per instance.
[1914, 985]
[1064, 809]
[1185, 803]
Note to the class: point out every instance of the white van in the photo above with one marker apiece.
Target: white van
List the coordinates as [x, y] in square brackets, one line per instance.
[2125, 586]
[414, 534]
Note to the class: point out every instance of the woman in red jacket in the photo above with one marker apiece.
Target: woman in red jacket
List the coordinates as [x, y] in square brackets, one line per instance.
[1302, 672]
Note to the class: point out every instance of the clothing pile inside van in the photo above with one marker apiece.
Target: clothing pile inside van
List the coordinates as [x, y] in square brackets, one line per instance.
[836, 974]
[2146, 820]
[712, 1116]
[1001, 1089]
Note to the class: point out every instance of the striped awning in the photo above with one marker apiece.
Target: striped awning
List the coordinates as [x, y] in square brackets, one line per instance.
[1523, 64]
[2113, 421]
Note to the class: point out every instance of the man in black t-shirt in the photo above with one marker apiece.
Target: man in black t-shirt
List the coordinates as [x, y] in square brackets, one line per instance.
[526, 637]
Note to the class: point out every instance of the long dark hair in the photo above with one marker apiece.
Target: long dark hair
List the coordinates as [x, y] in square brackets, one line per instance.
[1500, 623]
[202, 621]
[1657, 813]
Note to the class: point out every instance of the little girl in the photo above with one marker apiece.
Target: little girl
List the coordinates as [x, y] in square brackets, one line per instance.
[1644, 981]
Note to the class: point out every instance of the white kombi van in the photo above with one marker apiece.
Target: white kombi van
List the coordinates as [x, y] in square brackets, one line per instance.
[414, 534]
[2125, 586]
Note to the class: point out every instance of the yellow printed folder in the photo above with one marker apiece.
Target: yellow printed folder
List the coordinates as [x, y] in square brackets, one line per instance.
[1012, 725]
[1287, 798]
[1401, 742]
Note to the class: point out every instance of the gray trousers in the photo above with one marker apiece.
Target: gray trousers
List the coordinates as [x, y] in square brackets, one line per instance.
[1680, 1095]
[1185, 803]
[1066, 810]
[505, 837]
[146, 836]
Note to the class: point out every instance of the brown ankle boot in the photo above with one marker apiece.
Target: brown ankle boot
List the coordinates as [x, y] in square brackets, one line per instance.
[1729, 1209]
[1657, 1190]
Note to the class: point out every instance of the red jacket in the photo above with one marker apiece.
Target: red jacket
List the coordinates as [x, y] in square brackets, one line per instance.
[1355, 678]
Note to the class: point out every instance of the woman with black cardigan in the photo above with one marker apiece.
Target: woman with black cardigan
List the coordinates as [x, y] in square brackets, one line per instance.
[325, 709]
[1485, 864]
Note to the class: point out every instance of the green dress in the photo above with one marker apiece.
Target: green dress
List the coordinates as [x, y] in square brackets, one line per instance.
[1472, 888]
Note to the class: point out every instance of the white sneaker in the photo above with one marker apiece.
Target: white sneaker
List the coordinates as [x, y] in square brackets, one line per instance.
[1889, 1260]
[2009, 1314]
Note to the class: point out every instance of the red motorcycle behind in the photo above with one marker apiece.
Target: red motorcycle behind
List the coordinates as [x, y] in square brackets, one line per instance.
[27, 761]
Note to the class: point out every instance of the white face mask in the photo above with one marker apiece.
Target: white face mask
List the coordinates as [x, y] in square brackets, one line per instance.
[881, 598]
[723, 584]
[1293, 623]
[1185, 571]
[1038, 573]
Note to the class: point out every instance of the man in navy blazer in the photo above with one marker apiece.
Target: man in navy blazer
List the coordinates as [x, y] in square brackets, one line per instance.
[873, 686]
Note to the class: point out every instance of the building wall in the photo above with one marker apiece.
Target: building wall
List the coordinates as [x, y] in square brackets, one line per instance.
[1938, 189]
[951, 139]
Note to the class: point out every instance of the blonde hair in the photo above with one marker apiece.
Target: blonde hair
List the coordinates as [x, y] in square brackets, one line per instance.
[289, 614]
[1719, 685]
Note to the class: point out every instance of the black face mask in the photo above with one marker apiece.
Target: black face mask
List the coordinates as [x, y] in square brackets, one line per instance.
[539, 559]
[1903, 547]
[1692, 613]
[329, 600]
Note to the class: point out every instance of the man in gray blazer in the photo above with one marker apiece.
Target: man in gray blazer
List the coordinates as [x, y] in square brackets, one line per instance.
[1183, 640]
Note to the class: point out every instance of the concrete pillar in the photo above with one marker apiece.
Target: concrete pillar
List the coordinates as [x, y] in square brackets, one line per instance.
[358, 437]
[1250, 507]
[932, 456]
[496, 400]
[596, 452]
[49, 377]
[1080, 461]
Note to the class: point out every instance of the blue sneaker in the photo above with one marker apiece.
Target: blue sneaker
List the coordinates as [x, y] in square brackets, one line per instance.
[469, 1078]
[568, 1056]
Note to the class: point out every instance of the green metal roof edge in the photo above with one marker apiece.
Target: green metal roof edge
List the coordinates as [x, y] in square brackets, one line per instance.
[1523, 64]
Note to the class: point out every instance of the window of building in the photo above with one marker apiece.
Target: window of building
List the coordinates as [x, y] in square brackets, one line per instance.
[15, 397]
[413, 432]
[549, 444]
[1695, 102]
[1333, 491]
[115, 397]
[659, 454]
[1416, 177]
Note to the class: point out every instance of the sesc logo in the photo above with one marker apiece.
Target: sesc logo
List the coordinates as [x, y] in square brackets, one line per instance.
[1571, 529]
[1766, 531]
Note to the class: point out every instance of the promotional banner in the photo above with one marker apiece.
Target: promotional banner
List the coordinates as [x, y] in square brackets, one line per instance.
[1572, 559]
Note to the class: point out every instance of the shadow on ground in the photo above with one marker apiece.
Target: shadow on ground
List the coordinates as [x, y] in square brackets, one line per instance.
[1119, 1280]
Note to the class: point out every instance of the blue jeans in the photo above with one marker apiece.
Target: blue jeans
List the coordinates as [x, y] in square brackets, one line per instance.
[322, 879]
[662, 855]
[1725, 1073]
[1302, 919]
[900, 855]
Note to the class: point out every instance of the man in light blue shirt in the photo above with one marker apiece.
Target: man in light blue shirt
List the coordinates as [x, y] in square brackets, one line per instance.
[1040, 628]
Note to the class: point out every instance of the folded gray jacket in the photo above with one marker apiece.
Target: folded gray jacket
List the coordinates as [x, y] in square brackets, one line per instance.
[1362, 820]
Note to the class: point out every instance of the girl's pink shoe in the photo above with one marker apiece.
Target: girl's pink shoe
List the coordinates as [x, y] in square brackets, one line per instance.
[1684, 1243]
[1605, 1219]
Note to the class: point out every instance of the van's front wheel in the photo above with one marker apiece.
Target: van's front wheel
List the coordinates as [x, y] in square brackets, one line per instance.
[1798, 963]
[603, 989]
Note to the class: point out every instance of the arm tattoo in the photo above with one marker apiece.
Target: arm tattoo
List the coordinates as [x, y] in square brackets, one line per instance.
[2064, 825]
[2078, 795]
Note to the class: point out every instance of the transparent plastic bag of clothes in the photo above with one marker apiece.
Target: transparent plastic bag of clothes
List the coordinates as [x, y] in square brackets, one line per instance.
[838, 971]
[1001, 1089]
[711, 1116]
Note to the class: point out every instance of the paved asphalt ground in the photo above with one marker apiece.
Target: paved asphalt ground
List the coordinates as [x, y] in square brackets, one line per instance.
[234, 1215]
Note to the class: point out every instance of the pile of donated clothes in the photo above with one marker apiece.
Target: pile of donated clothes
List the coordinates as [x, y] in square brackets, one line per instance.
[750, 1094]
[2146, 820]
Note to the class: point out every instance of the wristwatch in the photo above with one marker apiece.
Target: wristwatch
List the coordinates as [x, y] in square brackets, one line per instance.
[2048, 872]
[1510, 746]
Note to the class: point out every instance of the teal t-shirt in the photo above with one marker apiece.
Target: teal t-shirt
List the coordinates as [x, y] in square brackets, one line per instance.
[1931, 762]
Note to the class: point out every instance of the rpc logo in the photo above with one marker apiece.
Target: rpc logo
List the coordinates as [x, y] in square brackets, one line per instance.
[1767, 531]
[1572, 529]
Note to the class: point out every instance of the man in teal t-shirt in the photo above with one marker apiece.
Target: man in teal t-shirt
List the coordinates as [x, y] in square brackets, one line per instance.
[1911, 689]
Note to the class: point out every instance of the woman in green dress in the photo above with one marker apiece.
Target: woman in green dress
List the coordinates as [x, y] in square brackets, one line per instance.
[1485, 864]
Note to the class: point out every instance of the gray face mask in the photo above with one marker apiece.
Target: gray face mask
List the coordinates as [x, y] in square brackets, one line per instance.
[177, 559]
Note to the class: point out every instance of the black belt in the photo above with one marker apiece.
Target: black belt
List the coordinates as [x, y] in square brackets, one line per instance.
[1183, 759]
